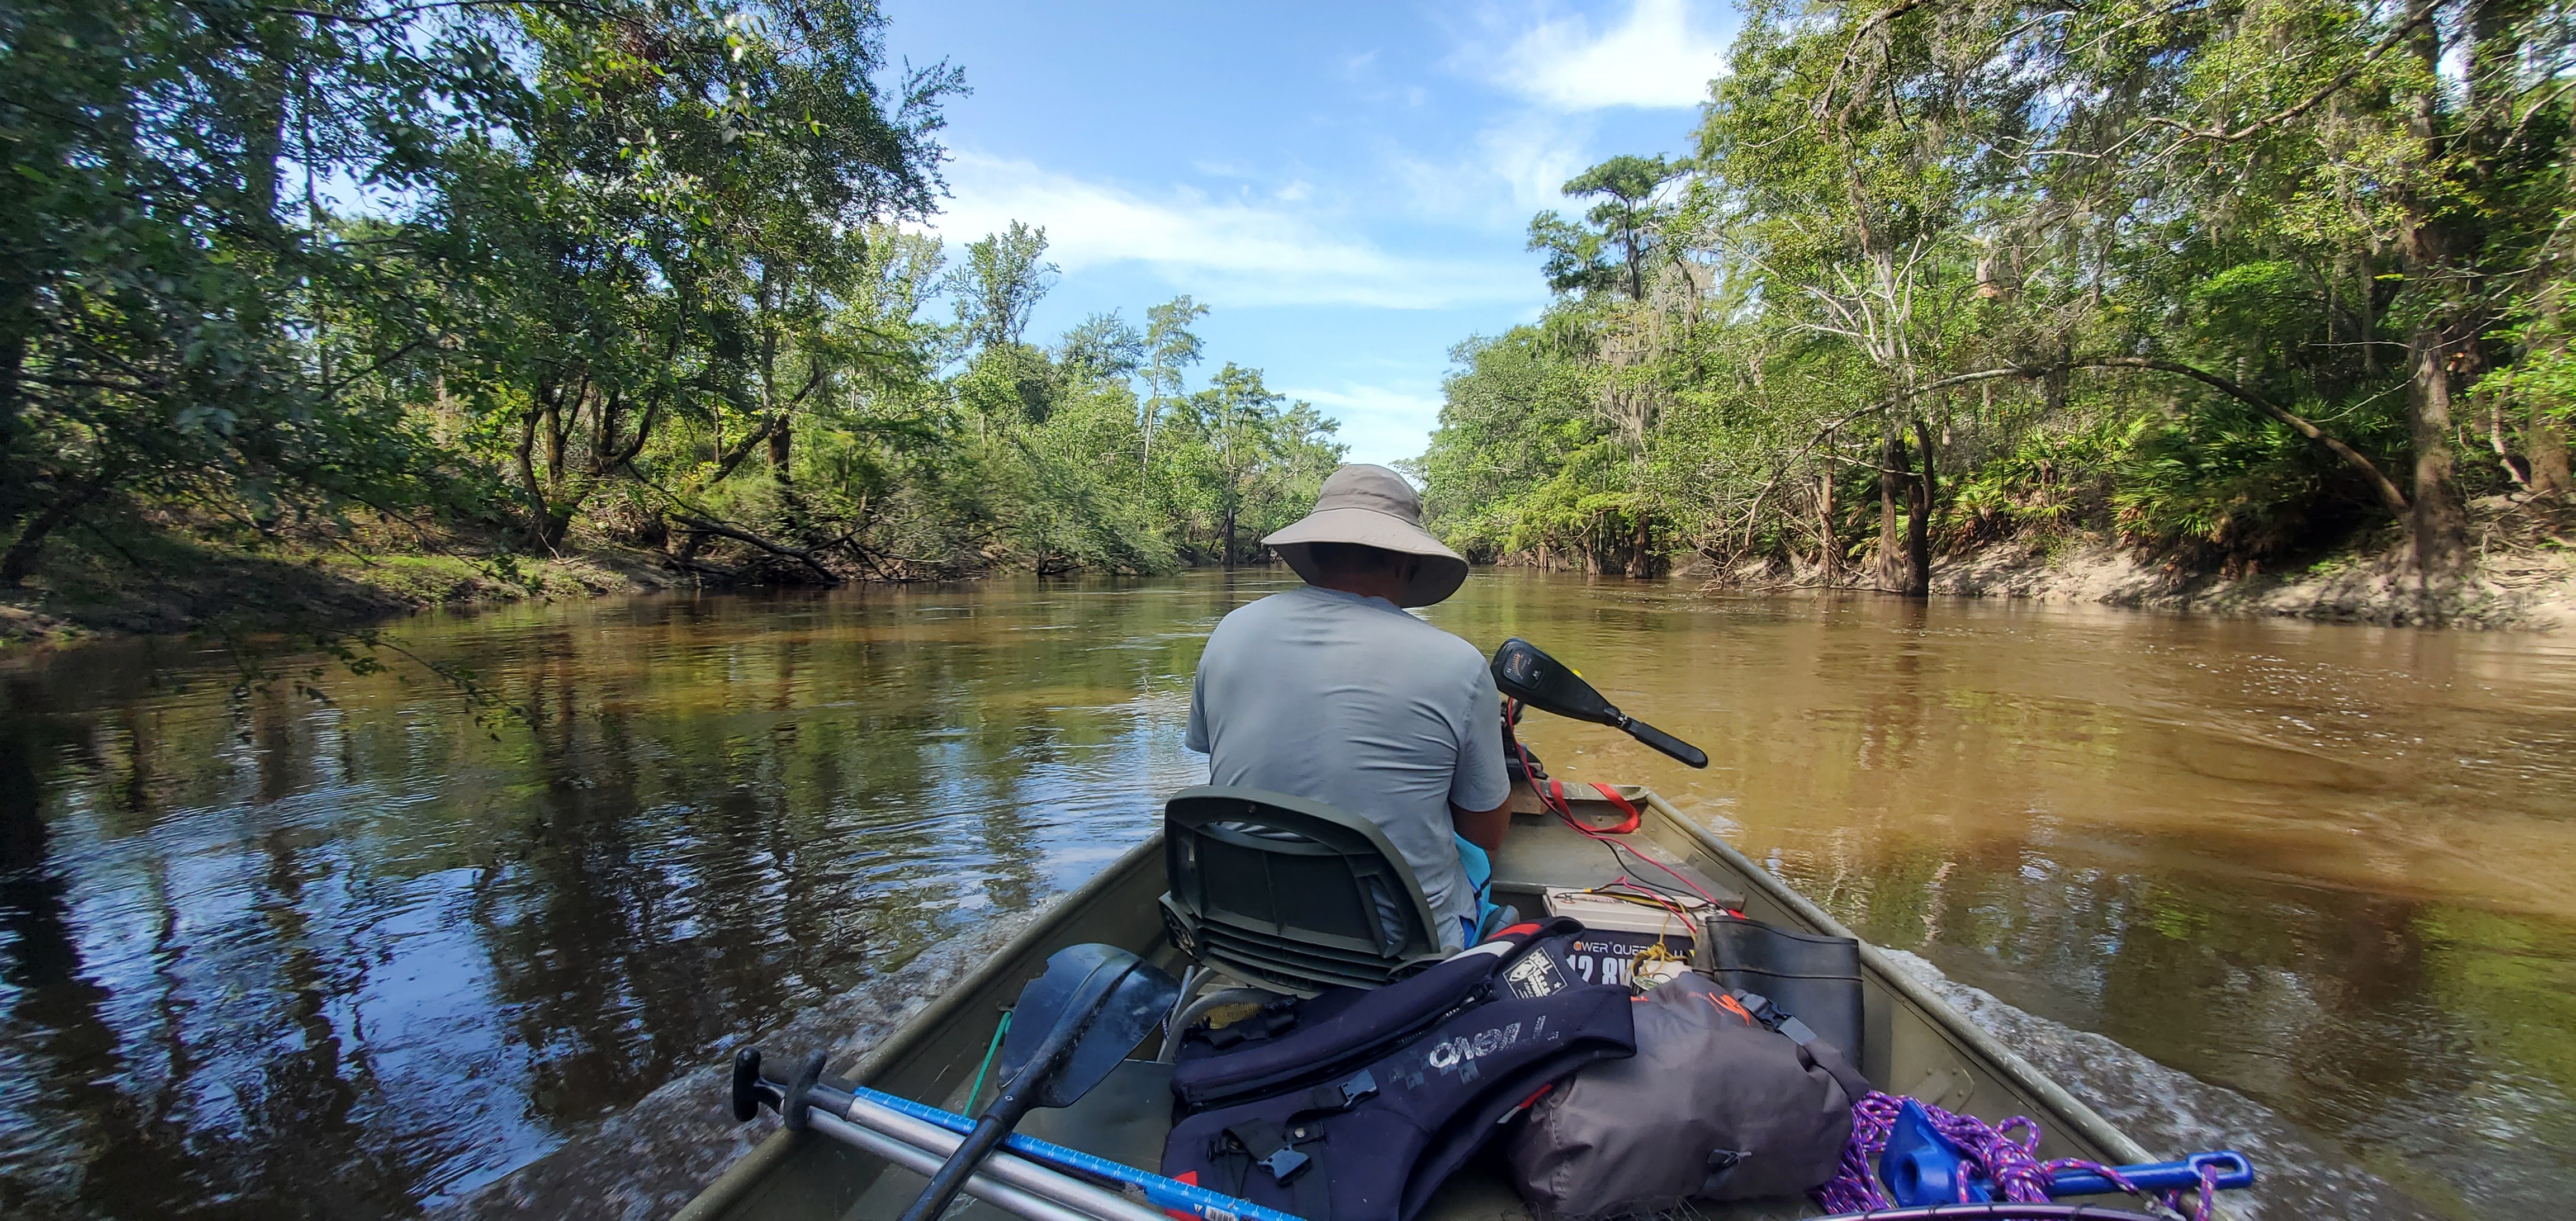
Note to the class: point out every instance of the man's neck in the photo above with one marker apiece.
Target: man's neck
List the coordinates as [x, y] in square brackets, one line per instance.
[1387, 585]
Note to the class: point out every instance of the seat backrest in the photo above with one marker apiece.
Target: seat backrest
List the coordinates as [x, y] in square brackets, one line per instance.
[1291, 894]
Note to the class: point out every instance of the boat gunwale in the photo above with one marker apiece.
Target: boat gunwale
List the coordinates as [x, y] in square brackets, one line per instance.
[1944, 1016]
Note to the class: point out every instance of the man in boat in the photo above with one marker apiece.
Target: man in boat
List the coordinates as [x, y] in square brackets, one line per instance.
[1335, 693]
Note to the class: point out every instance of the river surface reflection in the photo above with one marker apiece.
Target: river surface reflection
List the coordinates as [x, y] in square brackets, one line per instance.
[262, 955]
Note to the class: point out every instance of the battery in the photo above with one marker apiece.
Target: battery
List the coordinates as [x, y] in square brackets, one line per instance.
[1616, 930]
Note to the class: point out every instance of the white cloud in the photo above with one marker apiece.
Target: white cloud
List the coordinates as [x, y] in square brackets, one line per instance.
[1379, 423]
[1517, 165]
[1535, 155]
[1654, 58]
[1234, 252]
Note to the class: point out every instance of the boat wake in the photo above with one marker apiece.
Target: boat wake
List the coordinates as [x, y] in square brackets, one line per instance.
[651, 1158]
[2172, 1112]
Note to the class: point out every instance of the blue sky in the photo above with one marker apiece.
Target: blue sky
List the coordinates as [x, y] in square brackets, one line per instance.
[1346, 186]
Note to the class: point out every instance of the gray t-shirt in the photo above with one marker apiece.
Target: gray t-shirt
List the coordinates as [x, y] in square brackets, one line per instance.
[1353, 702]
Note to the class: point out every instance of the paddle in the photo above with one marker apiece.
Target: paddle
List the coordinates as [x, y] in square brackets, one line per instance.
[1542, 682]
[1072, 1025]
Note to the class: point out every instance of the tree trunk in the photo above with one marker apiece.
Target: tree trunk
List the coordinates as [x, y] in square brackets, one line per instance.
[13, 492]
[778, 450]
[726, 462]
[2490, 404]
[264, 138]
[2545, 443]
[1918, 520]
[2367, 308]
[544, 531]
[1829, 552]
[2439, 522]
[1893, 477]
[1228, 544]
[13, 357]
[20, 560]
[558, 436]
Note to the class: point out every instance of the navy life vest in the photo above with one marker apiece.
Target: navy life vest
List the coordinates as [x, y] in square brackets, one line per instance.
[1356, 1105]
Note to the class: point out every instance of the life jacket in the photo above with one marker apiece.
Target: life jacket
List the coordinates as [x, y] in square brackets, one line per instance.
[1356, 1105]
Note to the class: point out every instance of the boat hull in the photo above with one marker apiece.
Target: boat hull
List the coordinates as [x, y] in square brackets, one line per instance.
[1914, 1042]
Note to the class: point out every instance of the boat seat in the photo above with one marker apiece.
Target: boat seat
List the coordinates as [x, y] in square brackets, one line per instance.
[1291, 894]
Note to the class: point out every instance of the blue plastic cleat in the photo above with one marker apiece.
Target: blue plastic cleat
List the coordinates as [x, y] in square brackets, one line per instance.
[1923, 1168]
[2235, 1172]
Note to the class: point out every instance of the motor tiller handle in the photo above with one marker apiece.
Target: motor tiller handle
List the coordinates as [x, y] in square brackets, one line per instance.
[1665, 742]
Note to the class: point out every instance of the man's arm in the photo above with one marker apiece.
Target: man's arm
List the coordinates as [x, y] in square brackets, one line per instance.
[1480, 776]
[1483, 828]
[1197, 738]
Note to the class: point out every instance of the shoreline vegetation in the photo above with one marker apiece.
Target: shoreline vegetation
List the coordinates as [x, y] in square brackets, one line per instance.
[366, 305]
[230, 594]
[325, 313]
[2238, 291]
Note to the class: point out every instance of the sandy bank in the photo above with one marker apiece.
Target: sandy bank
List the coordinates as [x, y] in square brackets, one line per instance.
[2525, 578]
[2531, 591]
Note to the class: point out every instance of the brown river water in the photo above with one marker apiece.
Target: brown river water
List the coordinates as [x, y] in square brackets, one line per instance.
[2307, 890]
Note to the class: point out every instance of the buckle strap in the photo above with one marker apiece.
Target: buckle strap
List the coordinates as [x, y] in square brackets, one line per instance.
[1822, 1054]
[1763, 1010]
[1343, 1095]
[1285, 1163]
[1274, 1148]
[1270, 1149]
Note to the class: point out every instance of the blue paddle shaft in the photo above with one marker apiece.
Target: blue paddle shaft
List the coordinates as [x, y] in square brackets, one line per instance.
[1161, 1192]
[2235, 1172]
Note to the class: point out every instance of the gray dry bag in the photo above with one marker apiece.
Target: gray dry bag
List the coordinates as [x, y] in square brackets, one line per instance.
[1715, 1105]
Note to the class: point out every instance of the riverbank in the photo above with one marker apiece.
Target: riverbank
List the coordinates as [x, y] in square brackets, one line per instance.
[167, 584]
[2532, 591]
[2524, 578]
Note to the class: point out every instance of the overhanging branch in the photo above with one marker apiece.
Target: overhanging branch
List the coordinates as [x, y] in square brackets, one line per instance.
[2389, 496]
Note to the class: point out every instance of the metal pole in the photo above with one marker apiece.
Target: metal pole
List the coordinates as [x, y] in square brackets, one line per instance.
[1160, 1192]
[1009, 1199]
[1004, 1166]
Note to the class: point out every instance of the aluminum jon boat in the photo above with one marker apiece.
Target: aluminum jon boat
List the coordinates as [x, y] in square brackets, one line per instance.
[1913, 1042]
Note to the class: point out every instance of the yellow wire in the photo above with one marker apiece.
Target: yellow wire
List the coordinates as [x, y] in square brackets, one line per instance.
[1653, 953]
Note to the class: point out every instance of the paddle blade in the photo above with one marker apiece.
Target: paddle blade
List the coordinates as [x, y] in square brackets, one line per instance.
[1116, 998]
[1542, 682]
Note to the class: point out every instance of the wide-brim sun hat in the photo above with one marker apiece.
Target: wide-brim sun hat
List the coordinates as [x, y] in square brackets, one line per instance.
[1373, 507]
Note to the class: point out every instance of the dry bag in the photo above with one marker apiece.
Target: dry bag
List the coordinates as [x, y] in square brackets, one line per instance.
[1717, 1104]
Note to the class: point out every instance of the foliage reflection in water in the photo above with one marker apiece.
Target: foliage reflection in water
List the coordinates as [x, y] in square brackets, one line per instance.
[262, 956]
[265, 956]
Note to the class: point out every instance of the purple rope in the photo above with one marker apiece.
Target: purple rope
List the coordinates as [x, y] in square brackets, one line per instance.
[1995, 1211]
[2011, 1164]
